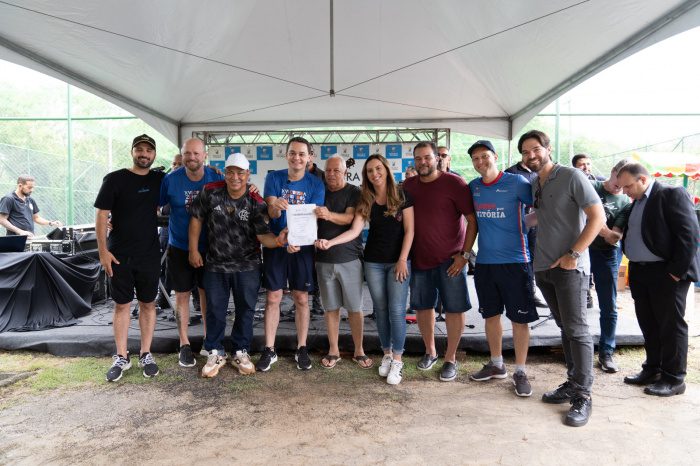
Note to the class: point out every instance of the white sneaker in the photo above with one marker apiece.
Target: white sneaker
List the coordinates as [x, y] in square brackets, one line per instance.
[395, 373]
[385, 365]
[215, 361]
[242, 362]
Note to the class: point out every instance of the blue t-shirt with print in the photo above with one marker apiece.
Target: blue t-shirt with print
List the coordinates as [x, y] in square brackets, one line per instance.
[179, 191]
[308, 190]
[499, 208]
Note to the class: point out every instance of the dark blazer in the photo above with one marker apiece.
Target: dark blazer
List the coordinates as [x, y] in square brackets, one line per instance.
[670, 230]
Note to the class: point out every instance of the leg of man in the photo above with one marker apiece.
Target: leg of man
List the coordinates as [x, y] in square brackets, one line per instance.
[604, 267]
[272, 316]
[494, 335]
[245, 295]
[147, 324]
[455, 302]
[521, 342]
[217, 289]
[357, 321]
[455, 322]
[203, 307]
[549, 291]
[120, 324]
[332, 318]
[643, 288]
[301, 316]
[182, 315]
[330, 291]
[426, 326]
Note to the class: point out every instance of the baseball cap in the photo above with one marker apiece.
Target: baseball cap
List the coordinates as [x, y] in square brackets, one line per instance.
[144, 138]
[482, 143]
[237, 160]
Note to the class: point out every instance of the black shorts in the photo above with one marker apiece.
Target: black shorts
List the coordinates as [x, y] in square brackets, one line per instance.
[140, 273]
[279, 266]
[181, 275]
[506, 285]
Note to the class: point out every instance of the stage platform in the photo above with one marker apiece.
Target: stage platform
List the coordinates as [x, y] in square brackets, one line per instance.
[92, 336]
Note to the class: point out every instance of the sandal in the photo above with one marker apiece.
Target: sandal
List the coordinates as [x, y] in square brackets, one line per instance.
[363, 361]
[331, 361]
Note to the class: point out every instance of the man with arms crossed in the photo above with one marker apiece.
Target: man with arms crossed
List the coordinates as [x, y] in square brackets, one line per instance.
[569, 217]
[131, 258]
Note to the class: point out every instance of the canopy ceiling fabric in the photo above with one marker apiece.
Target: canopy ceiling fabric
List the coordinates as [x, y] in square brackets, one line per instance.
[484, 66]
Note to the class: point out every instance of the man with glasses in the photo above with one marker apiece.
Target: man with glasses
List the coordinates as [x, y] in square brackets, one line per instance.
[569, 217]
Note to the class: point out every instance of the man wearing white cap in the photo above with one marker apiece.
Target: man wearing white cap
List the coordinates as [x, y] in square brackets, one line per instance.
[237, 222]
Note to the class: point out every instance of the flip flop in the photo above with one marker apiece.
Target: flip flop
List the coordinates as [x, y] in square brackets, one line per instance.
[362, 360]
[332, 361]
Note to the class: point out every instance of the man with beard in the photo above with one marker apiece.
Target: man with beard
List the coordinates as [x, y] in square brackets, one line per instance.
[131, 258]
[178, 190]
[19, 212]
[569, 217]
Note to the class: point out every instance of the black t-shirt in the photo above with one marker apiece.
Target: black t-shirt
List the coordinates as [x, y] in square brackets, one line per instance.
[385, 233]
[233, 225]
[133, 202]
[338, 201]
[19, 213]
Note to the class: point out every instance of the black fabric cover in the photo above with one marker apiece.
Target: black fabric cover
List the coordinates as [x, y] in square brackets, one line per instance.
[40, 291]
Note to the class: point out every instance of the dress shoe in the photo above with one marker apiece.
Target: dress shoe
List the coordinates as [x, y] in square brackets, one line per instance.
[664, 388]
[580, 411]
[607, 364]
[562, 394]
[645, 377]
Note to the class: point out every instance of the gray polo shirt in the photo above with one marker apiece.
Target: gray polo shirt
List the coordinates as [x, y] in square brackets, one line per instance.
[20, 213]
[635, 249]
[560, 216]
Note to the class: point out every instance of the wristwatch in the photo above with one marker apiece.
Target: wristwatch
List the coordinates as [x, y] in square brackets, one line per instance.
[574, 254]
[465, 254]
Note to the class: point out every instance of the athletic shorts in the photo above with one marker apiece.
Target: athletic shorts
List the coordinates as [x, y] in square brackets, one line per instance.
[508, 286]
[427, 285]
[281, 267]
[340, 285]
[139, 273]
[181, 275]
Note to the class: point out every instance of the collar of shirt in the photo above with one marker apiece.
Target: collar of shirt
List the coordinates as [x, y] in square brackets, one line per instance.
[648, 191]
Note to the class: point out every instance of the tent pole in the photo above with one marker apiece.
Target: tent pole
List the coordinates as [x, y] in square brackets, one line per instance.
[69, 137]
[332, 52]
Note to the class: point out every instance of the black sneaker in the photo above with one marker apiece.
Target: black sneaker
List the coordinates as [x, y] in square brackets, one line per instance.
[427, 362]
[186, 356]
[119, 365]
[490, 371]
[302, 358]
[522, 385]
[448, 372]
[267, 359]
[150, 368]
[580, 411]
[562, 394]
[607, 364]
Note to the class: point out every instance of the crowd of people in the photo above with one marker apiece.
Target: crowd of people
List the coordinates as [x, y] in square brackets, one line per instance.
[538, 225]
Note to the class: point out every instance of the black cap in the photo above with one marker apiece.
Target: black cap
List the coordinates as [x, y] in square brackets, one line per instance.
[481, 143]
[144, 138]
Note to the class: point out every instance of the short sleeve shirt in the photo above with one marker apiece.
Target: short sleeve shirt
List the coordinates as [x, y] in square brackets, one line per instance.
[339, 201]
[386, 232]
[232, 226]
[20, 213]
[308, 190]
[617, 209]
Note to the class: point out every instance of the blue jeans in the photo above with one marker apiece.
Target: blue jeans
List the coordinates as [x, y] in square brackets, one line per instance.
[218, 287]
[389, 299]
[604, 267]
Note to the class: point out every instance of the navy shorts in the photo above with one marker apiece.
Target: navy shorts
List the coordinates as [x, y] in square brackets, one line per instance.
[280, 267]
[139, 273]
[183, 277]
[426, 285]
[508, 286]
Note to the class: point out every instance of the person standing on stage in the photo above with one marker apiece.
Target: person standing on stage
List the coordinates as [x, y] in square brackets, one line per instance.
[131, 254]
[19, 212]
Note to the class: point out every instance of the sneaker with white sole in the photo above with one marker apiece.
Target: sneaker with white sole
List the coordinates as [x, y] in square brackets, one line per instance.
[119, 365]
[215, 361]
[302, 358]
[385, 366]
[267, 359]
[242, 362]
[490, 371]
[186, 356]
[522, 384]
[148, 363]
[395, 373]
[427, 362]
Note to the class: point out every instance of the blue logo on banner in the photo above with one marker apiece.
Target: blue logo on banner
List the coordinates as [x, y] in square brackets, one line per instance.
[360, 151]
[264, 152]
[328, 151]
[405, 163]
[393, 151]
[253, 167]
[218, 164]
[228, 150]
[398, 177]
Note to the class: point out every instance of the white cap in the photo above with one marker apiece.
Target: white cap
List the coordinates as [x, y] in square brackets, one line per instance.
[237, 160]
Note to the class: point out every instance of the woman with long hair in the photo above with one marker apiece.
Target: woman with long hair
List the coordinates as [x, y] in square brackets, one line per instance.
[389, 212]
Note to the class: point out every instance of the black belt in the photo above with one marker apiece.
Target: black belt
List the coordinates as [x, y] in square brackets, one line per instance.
[646, 263]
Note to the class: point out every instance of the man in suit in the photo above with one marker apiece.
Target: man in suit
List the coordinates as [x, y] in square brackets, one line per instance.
[661, 242]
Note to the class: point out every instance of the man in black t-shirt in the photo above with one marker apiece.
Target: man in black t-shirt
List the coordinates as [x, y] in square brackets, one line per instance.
[131, 257]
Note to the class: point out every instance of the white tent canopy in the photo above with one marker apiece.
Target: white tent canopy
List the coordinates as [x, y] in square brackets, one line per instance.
[480, 66]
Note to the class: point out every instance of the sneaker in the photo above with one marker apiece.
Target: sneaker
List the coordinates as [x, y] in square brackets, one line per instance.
[150, 368]
[580, 411]
[395, 373]
[490, 371]
[385, 365]
[119, 365]
[562, 394]
[204, 352]
[242, 362]
[607, 364]
[427, 362]
[448, 372]
[522, 385]
[215, 361]
[267, 359]
[302, 358]
[186, 358]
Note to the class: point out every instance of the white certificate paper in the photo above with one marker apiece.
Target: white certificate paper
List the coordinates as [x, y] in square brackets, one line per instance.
[301, 221]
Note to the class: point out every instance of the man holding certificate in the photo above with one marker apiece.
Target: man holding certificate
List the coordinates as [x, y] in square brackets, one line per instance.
[291, 195]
